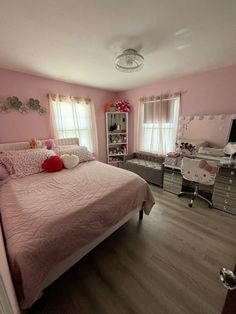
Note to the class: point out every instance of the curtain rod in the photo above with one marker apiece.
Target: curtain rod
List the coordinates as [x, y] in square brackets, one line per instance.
[175, 96]
[158, 100]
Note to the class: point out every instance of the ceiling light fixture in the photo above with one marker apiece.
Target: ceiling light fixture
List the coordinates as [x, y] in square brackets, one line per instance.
[129, 61]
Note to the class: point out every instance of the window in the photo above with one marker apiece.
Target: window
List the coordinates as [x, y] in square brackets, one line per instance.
[73, 118]
[159, 121]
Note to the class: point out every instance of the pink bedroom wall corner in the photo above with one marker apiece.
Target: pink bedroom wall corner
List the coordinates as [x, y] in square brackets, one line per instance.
[18, 127]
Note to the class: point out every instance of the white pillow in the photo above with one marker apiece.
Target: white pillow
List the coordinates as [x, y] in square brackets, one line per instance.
[70, 161]
[81, 151]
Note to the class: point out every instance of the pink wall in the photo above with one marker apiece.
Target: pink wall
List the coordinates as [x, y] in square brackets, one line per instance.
[16, 127]
[211, 92]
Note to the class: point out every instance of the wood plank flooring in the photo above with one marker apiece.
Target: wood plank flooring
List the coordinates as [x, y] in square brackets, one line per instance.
[168, 263]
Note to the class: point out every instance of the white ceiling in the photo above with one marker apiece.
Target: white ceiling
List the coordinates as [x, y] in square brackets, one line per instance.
[77, 41]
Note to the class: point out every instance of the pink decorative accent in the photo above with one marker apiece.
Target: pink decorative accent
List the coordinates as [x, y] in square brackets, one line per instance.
[6, 161]
[49, 144]
[122, 106]
[25, 162]
[203, 164]
[81, 151]
[173, 154]
[3, 172]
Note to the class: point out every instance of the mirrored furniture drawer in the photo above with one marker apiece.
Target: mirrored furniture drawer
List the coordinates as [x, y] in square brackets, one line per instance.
[172, 181]
[224, 194]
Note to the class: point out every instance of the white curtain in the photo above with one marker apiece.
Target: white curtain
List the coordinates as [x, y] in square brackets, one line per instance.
[74, 117]
[159, 123]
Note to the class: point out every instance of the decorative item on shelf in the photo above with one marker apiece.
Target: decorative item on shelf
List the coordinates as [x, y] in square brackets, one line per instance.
[117, 137]
[107, 107]
[112, 108]
[14, 103]
[122, 106]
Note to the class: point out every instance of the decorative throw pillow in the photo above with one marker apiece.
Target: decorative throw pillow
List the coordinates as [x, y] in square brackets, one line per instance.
[4, 174]
[53, 164]
[21, 163]
[81, 151]
[70, 161]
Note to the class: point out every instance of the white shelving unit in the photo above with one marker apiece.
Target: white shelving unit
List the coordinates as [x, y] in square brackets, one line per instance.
[117, 137]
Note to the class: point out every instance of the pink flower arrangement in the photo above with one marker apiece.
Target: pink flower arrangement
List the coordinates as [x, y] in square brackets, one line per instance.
[122, 106]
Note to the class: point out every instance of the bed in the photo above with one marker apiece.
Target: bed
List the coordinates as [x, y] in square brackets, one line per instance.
[51, 220]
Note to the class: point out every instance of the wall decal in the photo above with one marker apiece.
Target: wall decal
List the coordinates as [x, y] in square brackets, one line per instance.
[14, 103]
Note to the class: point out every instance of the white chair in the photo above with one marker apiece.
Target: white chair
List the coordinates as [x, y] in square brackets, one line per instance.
[198, 171]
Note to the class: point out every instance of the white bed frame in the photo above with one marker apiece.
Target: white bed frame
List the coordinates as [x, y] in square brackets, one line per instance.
[63, 266]
[74, 258]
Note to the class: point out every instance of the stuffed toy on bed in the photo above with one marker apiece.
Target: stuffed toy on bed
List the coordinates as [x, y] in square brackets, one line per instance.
[49, 144]
[33, 143]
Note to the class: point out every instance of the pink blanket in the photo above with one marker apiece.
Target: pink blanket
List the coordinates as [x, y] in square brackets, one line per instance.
[48, 216]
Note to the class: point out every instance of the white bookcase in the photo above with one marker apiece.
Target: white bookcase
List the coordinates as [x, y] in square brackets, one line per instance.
[117, 137]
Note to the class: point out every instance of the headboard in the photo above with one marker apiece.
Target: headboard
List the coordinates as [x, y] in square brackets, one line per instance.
[25, 145]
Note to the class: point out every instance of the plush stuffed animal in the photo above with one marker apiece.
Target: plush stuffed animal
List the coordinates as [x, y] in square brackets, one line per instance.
[49, 144]
[52, 164]
[33, 143]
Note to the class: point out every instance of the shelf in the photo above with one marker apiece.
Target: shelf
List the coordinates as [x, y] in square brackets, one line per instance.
[113, 155]
[115, 112]
[116, 139]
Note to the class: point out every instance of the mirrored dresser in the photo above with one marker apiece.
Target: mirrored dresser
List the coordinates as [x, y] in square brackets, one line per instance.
[224, 194]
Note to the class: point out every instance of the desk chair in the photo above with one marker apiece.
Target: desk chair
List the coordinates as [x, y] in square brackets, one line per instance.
[198, 171]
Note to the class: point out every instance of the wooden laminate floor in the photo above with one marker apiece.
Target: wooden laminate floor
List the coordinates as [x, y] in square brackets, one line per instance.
[168, 263]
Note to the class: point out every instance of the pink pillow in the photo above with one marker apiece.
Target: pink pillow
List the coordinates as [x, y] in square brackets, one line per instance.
[22, 163]
[81, 151]
[4, 174]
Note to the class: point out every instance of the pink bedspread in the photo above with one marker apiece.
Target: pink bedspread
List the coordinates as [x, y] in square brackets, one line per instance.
[48, 216]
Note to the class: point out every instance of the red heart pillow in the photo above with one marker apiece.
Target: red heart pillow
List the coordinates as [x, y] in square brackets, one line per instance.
[53, 164]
